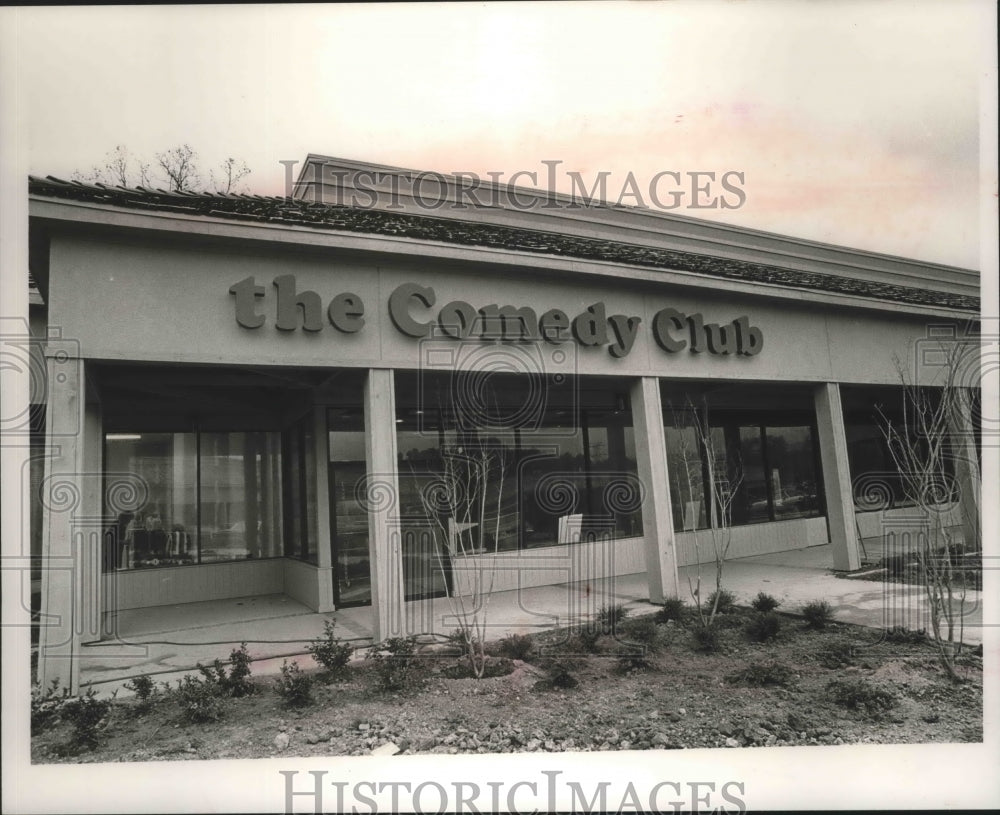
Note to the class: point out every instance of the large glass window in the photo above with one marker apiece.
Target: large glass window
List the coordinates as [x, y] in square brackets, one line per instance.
[523, 470]
[762, 470]
[877, 482]
[348, 497]
[791, 455]
[300, 491]
[687, 481]
[205, 497]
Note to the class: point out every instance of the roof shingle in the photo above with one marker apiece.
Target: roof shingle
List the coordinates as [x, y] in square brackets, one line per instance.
[297, 212]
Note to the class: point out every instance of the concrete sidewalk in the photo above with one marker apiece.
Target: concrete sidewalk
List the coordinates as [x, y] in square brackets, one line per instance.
[167, 642]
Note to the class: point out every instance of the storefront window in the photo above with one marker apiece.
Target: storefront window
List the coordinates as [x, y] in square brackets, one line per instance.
[761, 471]
[549, 477]
[300, 488]
[792, 471]
[877, 482]
[209, 497]
[752, 501]
[163, 530]
[348, 515]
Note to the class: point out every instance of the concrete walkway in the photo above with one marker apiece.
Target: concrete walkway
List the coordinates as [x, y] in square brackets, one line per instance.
[167, 642]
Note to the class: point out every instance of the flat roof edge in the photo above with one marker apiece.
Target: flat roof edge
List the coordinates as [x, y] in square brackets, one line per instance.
[643, 212]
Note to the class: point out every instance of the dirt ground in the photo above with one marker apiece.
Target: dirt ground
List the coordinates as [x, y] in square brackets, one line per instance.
[682, 699]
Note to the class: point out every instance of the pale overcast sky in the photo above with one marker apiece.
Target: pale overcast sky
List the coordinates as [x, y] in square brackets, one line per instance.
[854, 123]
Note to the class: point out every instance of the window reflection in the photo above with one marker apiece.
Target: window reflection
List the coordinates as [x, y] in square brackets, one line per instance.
[348, 515]
[768, 470]
[568, 473]
[209, 497]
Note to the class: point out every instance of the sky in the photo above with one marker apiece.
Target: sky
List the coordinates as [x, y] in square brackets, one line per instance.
[853, 123]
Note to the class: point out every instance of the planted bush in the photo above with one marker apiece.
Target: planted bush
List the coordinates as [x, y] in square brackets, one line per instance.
[765, 602]
[762, 676]
[200, 701]
[144, 689]
[393, 663]
[644, 631]
[672, 609]
[294, 686]
[237, 681]
[764, 627]
[559, 675]
[331, 652]
[861, 696]
[588, 637]
[707, 639]
[88, 715]
[610, 616]
[47, 705]
[727, 600]
[516, 646]
[818, 614]
[901, 635]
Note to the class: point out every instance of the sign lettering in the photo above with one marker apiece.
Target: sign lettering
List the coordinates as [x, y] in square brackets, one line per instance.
[411, 310]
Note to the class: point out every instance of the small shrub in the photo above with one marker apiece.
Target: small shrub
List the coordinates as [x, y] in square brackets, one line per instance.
[643, 631]
[88, 715]
[837, 655]
[214, 674]
[727, 600]
[393, 663]
[818, 614]
[862, 696]
[609, 617]
[458, 639]
[142, 686]
[559, 675]
[199, 700]
[144, 689]
[47, 705]
[294, 686]
[587, 638]
[706, 639]
[329, 651]
[237, 681]
[901, 635]
[764, 627]
[672, 609]
[773, 674]
[765, 603]
[516, 646]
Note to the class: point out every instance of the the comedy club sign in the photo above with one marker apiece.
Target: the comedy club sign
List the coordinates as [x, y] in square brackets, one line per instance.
[414, 311]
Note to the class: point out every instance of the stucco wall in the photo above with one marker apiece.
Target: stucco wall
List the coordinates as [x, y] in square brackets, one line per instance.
[171, 302]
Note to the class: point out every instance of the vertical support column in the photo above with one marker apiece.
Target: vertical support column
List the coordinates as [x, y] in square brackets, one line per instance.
[836, 477]
[93, 527]
[382, 497]
[962, 448]
[62, 495]
[324, 550]
[657, 516]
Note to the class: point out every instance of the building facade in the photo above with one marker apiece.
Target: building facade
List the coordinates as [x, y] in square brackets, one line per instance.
[359, 394]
